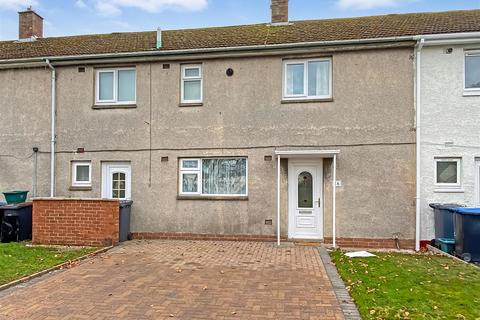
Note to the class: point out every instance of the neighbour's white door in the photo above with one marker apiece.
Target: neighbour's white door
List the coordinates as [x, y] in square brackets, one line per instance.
[305, 198]
[116, 180]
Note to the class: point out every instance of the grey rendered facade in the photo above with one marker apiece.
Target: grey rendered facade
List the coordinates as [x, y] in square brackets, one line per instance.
[370, 120]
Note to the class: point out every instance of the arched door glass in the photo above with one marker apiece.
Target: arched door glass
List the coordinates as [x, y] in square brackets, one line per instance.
[118, 185]
[305, 190]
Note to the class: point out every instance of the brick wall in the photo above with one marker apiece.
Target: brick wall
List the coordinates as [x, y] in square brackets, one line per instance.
[372, 243]
[79, 222]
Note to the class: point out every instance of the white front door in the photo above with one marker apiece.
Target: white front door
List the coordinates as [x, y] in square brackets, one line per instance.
[305, 198]
[116, 180]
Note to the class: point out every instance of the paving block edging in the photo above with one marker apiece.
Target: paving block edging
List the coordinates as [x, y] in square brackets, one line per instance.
[349, 309]
[51, 269]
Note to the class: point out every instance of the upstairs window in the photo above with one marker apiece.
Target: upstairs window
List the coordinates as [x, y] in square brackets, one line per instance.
[116, 86]
[308, 79]
[192, 84]
[472, 71]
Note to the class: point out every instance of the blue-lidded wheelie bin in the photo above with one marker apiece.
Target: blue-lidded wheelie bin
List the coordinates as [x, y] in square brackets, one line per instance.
[467, 233]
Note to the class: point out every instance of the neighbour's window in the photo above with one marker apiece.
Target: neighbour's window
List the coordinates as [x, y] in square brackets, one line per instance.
[472, 70]
[192, 91]
[447, 172]
[308, 79]
[116, 86]
[217, 177]
[81, 173]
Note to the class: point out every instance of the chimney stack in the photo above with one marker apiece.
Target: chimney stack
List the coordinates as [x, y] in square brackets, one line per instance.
[279, 11]
[30, 24]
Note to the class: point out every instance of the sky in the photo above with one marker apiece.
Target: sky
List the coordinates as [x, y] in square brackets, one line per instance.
[71, 17]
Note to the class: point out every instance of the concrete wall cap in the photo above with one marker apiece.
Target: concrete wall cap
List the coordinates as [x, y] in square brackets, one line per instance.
[73, 199]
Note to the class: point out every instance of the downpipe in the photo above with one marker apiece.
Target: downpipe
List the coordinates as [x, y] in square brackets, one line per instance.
[418, 64]
[53, 133]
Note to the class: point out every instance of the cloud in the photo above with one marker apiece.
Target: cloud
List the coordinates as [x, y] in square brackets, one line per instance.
[366, 4]
[114, 7]
[17, 4]
[80, 4]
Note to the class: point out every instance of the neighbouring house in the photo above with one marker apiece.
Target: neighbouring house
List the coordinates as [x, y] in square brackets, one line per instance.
[298, 129]
[449, 76]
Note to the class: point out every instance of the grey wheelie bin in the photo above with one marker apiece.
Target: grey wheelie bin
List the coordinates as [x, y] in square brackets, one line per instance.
[124, 224]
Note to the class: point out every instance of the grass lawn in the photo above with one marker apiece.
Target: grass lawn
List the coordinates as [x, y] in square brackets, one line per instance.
[411, 286]
[18, 260]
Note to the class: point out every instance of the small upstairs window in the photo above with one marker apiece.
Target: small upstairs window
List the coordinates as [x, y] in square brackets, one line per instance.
[472, 72]
[192, 84]
[115, 86]
[307, 79]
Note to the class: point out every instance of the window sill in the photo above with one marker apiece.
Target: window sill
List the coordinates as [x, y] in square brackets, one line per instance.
[470, 93]
[114, 106]
[79, 188]
[287, 101]
[193, 104]
[222, 198]
[449, 190]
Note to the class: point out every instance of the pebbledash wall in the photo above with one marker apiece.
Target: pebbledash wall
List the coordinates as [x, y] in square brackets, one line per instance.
[370, 120]
[450, 129]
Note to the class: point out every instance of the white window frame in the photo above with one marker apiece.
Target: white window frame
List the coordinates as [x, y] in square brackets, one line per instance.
[305, 95]
[185, 78]
[76, 183]
[114, 101]
[469, 91]
[447, 186]
[198, 171]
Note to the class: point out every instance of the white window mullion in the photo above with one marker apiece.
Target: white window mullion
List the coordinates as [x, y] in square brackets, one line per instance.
[200, 177]
[115, 85]
[305, 79]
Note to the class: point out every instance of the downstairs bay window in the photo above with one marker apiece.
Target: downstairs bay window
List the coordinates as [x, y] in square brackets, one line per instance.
[213, 177]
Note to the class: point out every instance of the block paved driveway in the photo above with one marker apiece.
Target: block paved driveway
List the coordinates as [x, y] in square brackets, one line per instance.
[183, 280]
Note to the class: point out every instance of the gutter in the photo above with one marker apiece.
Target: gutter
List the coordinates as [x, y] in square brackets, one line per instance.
[418, 104]
[53, 134]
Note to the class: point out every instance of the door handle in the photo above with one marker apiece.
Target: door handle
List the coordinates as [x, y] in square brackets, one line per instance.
[319, 202]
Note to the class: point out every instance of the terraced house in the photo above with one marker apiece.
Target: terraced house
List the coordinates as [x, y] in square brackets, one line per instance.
[287, 129]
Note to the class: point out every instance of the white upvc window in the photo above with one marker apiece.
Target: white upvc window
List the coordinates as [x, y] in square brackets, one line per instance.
[192, 83]
[307, 79]
[471, 84]
[81, 173]
[213, 177]
[116, 86]
[448, 173]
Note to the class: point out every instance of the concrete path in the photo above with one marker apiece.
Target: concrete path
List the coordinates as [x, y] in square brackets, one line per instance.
[183, 280]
